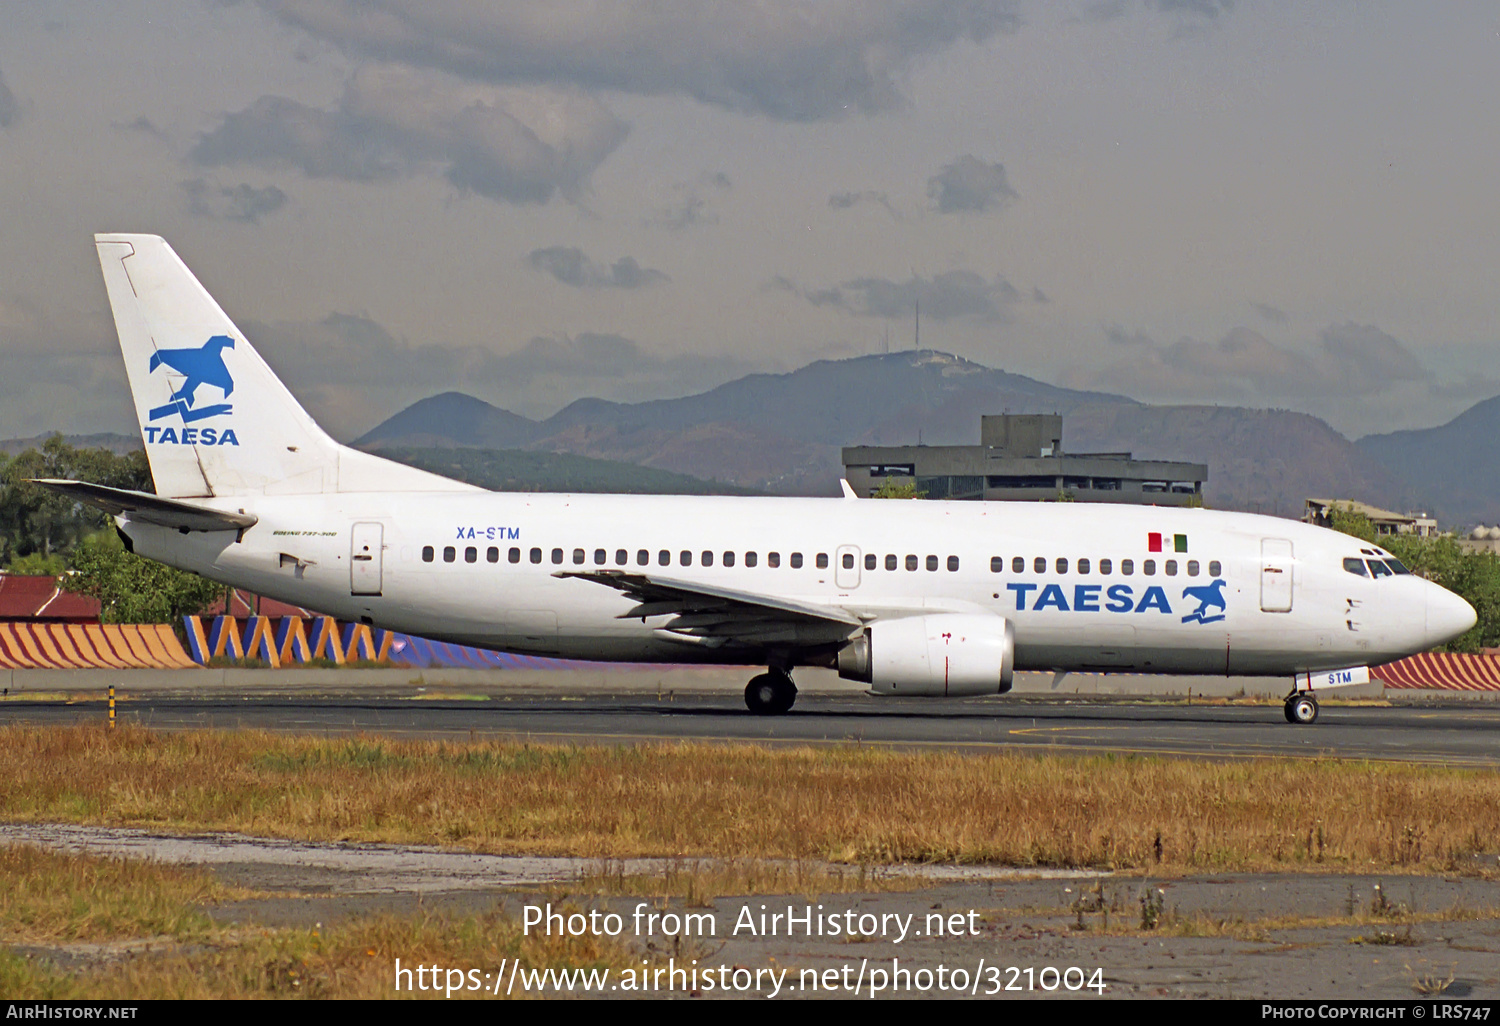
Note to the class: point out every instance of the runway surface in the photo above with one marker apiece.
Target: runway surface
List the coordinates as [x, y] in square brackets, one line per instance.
[1467, 736]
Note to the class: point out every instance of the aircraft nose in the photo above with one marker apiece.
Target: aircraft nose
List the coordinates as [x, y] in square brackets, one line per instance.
[1448, 616]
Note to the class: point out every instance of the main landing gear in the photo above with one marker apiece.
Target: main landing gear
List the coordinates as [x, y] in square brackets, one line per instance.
[770, 694]
[1301, 707]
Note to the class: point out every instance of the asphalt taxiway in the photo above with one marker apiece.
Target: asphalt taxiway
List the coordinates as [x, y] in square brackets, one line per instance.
[1460, 734]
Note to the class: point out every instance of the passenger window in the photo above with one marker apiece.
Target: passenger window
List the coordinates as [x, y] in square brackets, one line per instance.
[1356, 566]
[622, 556]
[1062, 565]
[1127, 567]
[536, 555]
[932, 562]
[871, 560]
[600, 557]
[577, 557]
[1192, 568]
[685, 558]
[751, 559]
[1039, 564]
[449, 554]
[1149, 568]
[773, 560]
[1215, 568]
[892, 561]
[796, 561]
[492, 554]
[706, 558]
[1106, 567]
[1171, 568]
[1018, 565]
[997, 564]
[642, 558]
[664, 558]
[515, 555]
[822, 561]
[1379, 569]
[427, 553]
[911, 562]
[848, 561]
[953, 563]
[471, 555]
[1083, 566]
[729, 559]
[557, 555]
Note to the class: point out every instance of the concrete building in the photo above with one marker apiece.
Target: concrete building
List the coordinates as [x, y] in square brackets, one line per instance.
[1386, 522]
[1020, 458]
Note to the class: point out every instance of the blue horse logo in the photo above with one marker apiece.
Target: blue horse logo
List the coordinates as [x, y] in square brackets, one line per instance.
[1209, 596]
[201, 366]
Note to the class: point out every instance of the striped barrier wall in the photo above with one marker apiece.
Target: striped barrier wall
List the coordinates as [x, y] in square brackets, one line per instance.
[55, 646]
[1448, 671]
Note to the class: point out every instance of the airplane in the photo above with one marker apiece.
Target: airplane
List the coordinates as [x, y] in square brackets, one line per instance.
[912, 598]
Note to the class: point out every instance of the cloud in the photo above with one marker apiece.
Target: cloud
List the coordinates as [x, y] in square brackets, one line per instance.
[804, 60]
[513, 145]
[690, 203]
[10, 109]
[1350, 360]
[1206, 9]
[969, 184]
[243, 202]
[846, 200]
[571, 266]
[946, 296]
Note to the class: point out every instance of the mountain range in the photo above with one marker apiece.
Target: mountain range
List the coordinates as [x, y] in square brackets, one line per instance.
[782, 433]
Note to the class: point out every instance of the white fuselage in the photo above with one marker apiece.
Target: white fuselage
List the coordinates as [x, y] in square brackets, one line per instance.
[1064, 616]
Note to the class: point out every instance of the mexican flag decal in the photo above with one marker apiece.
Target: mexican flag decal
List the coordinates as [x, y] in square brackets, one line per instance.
[1166, 542]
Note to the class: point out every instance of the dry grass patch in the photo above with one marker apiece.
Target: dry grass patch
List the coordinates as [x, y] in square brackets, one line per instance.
[356, 959]
[46, 896]
[852, 805]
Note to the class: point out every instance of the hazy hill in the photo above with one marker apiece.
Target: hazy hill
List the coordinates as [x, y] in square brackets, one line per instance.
[783, 432]
[1454, 468]
[117, 444]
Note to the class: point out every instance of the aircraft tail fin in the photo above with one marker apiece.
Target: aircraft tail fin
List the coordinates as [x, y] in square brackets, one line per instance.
[215, 418]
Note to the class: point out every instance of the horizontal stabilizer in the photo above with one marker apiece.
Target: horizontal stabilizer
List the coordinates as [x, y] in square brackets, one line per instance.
[146, 508]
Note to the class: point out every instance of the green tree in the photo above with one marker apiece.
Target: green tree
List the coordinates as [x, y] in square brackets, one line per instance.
[35, 520]
[135, 590]
[38, 565]
[898, 488]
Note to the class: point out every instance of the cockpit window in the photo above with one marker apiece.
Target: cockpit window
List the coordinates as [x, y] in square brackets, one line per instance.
[1379, 569]
[1397, 566]
[1356, 566]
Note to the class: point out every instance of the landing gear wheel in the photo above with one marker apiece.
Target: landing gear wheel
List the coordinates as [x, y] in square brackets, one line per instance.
[1301, 709]
[770, 694]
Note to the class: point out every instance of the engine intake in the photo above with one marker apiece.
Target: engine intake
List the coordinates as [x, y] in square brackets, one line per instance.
[950, 654]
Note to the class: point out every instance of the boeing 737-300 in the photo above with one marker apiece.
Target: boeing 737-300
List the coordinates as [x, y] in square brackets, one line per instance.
[913, 598]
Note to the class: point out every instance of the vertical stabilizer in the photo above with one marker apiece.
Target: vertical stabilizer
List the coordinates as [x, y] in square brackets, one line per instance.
[215, 418]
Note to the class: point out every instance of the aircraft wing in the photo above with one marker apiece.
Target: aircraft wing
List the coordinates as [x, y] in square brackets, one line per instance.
[713, 616]
[148, 508]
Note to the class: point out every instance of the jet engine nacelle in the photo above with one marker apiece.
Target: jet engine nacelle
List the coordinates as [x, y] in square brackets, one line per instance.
[942, 654]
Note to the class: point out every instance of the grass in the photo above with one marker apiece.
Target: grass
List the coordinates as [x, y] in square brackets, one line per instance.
[84, 906]
[844, 804]
[49, 896]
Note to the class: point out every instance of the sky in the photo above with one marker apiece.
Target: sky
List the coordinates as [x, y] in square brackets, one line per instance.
[1185, 201]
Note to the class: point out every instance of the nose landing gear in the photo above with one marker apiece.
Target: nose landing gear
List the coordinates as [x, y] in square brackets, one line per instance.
[771, 693]
[1301, 707]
